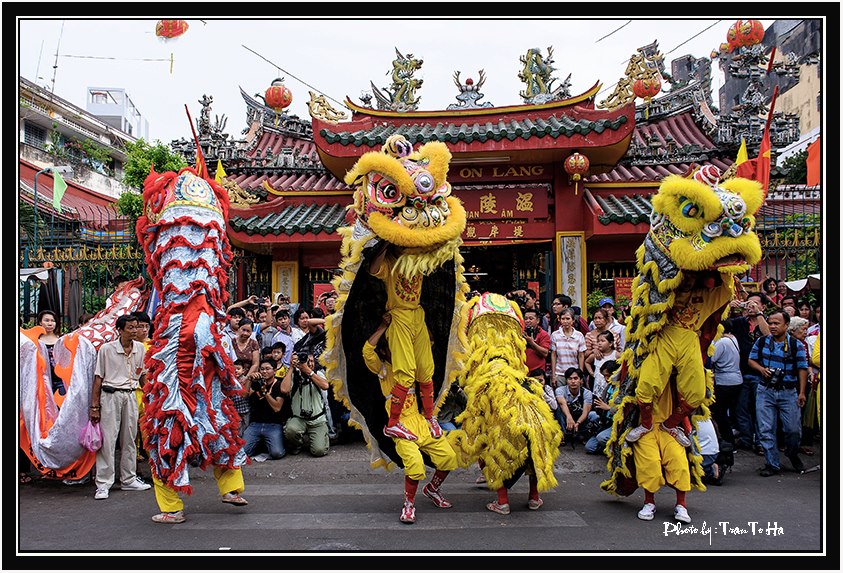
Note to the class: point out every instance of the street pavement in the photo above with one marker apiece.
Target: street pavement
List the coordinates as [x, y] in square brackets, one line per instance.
[337, 504]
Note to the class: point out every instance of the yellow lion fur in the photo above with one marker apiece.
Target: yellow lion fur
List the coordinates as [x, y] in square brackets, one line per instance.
[502, 418]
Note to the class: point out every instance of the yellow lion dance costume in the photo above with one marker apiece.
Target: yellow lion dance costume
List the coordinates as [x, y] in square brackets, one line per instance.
[407, 218]
[506, 425]
[701, 236]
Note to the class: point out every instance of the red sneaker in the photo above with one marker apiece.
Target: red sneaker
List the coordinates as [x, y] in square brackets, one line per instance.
[435, 429]
[436, 497]
[408, 513]
[399, 431]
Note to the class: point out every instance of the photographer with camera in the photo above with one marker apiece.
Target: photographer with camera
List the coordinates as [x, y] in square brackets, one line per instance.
[781, 361]
[308, 422]
[265, 417]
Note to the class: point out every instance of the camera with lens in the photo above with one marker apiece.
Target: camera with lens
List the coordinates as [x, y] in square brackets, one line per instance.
[776, 377]
[302, 356]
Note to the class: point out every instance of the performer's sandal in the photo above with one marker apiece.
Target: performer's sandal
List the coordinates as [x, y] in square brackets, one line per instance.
[498, 508]
[166, 517]
[234, 499]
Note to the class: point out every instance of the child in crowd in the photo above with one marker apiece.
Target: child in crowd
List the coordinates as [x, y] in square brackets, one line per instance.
[602, 405]
[604, 352]
[241, 401]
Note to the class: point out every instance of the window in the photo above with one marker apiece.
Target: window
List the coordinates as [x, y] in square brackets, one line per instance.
[34, 135]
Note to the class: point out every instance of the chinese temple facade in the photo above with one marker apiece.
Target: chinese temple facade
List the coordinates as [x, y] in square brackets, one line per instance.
[557, 189]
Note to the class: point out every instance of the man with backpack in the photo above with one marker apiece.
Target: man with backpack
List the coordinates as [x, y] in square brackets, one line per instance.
[780, 361]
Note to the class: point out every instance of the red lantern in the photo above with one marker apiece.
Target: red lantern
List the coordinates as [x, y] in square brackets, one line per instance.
[170, 29]
[750, 32]
[278, 96]
[732, 37]
[647, 89]
[576, 165]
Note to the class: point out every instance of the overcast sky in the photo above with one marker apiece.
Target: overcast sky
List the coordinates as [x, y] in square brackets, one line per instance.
[338, 57]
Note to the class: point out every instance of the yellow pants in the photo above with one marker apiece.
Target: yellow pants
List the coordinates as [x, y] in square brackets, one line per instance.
[677, 347]
[439, 450]
[227, 480]
[659, 459]
[409, 344]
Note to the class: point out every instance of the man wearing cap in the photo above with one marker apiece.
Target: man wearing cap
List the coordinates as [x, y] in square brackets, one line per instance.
[617, 329]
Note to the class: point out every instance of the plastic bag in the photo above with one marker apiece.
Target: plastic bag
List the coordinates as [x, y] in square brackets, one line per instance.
[91, 437]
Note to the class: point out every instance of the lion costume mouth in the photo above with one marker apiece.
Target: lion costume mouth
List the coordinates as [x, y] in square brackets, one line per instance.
[421, 237]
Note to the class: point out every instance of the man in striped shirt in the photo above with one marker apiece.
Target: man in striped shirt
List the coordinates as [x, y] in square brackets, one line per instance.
[780, 361]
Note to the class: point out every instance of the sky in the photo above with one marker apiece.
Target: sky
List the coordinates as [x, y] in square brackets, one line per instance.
[337, 57]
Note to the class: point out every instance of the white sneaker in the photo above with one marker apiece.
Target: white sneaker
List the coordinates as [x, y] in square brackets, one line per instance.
[102, 493]
[681, 514]
[260, 458]
[136, 484]
[635, 434]
[648, 512]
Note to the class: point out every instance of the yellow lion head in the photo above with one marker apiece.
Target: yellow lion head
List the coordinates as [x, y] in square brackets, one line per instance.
[704, 225]
[403, 196]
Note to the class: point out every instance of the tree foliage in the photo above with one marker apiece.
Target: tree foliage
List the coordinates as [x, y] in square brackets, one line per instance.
[143, 156]
[796, 169]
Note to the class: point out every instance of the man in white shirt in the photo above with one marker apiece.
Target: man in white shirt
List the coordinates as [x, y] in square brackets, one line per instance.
[119, 371]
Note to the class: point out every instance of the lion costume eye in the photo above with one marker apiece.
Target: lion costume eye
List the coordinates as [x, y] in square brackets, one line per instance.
[689, 208]
[384, 192]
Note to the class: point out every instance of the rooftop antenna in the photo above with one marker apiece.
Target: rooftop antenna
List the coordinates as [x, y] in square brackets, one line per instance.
[38, 65]
[56, 64]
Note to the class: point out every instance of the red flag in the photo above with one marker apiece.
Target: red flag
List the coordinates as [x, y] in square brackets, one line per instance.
[813, 162]
[747, 169]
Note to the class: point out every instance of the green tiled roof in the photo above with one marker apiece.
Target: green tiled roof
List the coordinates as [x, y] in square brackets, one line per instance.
[624, 209]
[554, 126]
[293, 219]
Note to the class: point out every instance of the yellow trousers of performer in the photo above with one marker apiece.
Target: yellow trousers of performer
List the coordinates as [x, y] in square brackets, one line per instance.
[440, 451]
[227, 480]
[409, 344]
[680, 348]
[659, 459]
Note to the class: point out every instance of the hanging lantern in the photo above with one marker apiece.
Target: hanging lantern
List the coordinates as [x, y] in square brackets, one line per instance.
[278, 96]
[732, 37]
[647, 89]
[576, 165]
[749, 32]
[169, 31]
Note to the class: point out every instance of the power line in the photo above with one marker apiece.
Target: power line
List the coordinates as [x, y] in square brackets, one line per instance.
[292, 76]
[668, 52]
[613, 31]
[694, 36]
[111, 58]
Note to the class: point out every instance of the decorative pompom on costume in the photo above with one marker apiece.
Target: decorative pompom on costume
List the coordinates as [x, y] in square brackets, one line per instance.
[700, 236]
[506, 422]
[403, 205]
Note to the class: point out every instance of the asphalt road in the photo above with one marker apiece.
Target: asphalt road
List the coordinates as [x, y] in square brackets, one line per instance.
[338, 505]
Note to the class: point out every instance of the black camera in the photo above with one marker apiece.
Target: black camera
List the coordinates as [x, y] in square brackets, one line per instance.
[302, 356]
[776, 376]
[531, 332]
